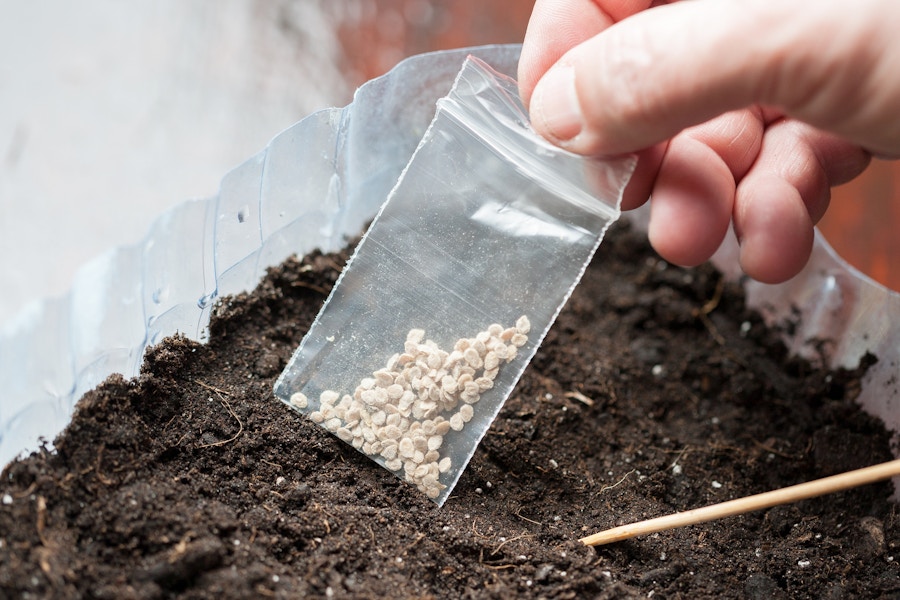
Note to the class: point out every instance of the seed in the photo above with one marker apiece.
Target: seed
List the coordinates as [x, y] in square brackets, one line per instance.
[391, 432]
[523, 325]
[383, 378]
[394, 464]
[379, 418]
[418, 457]
[484, 383]
[456, 422]
[453, 358]
[444, 464]
[483, 336]
[328, 397]
[469, 397]
[332, 424]
[299, 400]
[389, 452]
[316, 417]
[442, 428]
[367, 383]
[391, 364]
[394, 391]
[472, 357]
[406, 448]
[491, 373]
[508, 333]
[495, 329]
[344, 434]
[491, 361]
[432, 456]
[432, 492]
[352, 414]
[415, 335]
[480, 348]
[435, 441]
[369, 435]
[519, 340]
[420, 471]
[406, 400]
[466, 412]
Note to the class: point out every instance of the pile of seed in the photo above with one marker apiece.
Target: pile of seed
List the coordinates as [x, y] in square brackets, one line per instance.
[400, 415]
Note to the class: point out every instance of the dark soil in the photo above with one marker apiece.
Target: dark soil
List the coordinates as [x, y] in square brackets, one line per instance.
[656, 391]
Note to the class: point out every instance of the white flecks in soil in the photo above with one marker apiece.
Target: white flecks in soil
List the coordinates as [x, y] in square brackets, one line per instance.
[401, 414]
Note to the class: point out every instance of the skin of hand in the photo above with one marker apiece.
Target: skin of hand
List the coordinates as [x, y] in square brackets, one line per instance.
[741, 112]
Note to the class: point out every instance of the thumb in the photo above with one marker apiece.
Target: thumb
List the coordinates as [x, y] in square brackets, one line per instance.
[651, 75]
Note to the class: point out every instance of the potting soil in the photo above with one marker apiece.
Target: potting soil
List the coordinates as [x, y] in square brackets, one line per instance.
[655, 391]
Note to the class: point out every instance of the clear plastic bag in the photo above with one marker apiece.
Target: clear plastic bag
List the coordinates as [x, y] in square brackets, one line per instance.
[454, 285]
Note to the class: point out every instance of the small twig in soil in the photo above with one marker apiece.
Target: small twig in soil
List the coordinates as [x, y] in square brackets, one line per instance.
[710, 326]
[518, 513]
[310, 286]
[418, 539]
[679, 457]
[211, 388]
[41, 520]
[26, 492]
[616, 484]
[794, 493]
[513, 539]
[232, 438]
[703, 312]
[475, 530]
[576, 395]
[771, 450]
[713, 302]
[230, 410]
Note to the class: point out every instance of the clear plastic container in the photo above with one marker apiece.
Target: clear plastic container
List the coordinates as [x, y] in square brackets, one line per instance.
[316, 185]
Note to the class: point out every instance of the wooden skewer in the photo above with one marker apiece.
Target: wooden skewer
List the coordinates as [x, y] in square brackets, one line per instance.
[794, 493]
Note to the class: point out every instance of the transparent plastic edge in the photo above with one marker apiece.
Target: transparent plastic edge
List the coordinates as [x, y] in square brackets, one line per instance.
[30, 337]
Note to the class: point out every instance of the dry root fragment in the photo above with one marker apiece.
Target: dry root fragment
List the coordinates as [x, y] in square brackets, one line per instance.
[398, 413]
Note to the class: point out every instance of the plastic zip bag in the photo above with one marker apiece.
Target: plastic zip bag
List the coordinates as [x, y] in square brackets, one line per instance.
[451, 290]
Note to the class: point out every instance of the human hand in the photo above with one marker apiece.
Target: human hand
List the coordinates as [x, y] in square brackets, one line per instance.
[743, 112]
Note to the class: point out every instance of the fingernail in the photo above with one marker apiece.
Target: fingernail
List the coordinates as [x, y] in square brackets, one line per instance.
[555, 109]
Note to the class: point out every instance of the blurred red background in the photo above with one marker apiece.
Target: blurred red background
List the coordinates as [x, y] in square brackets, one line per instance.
[859, 221]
